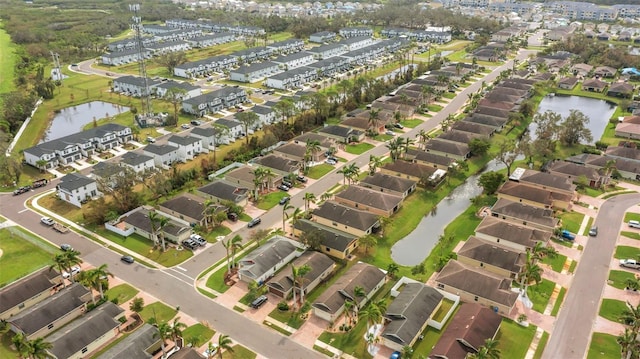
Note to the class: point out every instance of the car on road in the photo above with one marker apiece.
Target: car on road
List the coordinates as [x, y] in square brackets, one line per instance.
[198, 239]
[630, 263]
[74, 271]
[185, 126]
[127, 259]
[634, 224]
[48, 221]
[283, 187]
[331, 162]
[258, 302]
[284, 200]
[22, 190]
[593, 231]
[301, 179]
[66, 247]
[189, 243]
[254, 222]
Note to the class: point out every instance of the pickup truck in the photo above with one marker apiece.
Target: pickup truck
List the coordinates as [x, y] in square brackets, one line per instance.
[566, 235]
[630, 263]
[60, 228]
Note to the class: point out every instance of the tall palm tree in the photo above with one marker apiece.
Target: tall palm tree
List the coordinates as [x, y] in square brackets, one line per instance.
[375, 162]
[392, 270]
[491, 346]
[20, 341]
[372, 314]
[394, 146]
[353, 172]
[224, 342]
[359, 292]
[296, 274]
[313, 147]
[374, 117]
[212, 349]
[235, 244]
[367, 242]
[631, 317]
[37, 348]
[60, 263]
[227, 247]
[405, 145]
[423, 137]
[164, 333]
[268, 178]
[628, 344]
[162, 222]
[175, 329]
[530, 272]
[208, 208]
[101, 273]
[345, 174]
[153, 218]
[287, 206]
[71, 258]
[308, 198]
[348, 309]
[540, 251]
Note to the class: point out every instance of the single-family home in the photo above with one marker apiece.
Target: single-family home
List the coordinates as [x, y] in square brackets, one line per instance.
[543, 180]
[429, 159]
[163, 155]
[244, 177]
[188, 146]
[331, 303]
[413, 171]
[534, 196]
[321, 267]
[605, 71]
[491, 256]
[385, 183]
[139, 344]
[625, 167]
[524, 214]
[568, 83]
[409, 313]
[322, 36]
[484, 119]
[138, 162]
[594, 85]
[279, 164]
[471, 127]
[174, 231]
[468, 330]
[342, 134]
[28, 291]
[369, 200]
[324, 141]
[479, 286]
[107, 173]
[353, 221]
[262, 263]
[333, 242]
[621, 89]
[577, 173]
[581, 69]
[629, 153]
[296, 152]
[76, 189]
[52, 313]
[510, 234]
[222, 191]
[254, 72]
[448, 148]
[187, 207]
[266, 115]
[87, 333]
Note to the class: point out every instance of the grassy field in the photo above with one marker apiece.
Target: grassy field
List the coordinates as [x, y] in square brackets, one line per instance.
[7, 62]
[632, 235]
[199, 333]
[612, 309]
[239, 352]
[627, 252]
[22, 253]
[540, 294]
[603, 346]
[514, 339]
[158, 310]
[618, 278]
[122, 293]
[359, 148]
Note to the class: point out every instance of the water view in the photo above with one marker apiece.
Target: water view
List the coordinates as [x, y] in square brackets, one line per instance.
[73, 119]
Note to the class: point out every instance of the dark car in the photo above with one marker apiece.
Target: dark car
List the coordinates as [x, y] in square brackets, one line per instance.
[233, 217]
[254, 222]
[258, 302]
[283, 187]
[284, 200]
[66, 247]
[398, 125]
[191, 244]
[127, 259]
[287, 183]
[301, 179]
[196, 123]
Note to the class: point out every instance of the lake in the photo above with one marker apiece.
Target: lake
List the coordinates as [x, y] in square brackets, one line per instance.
[72, 119]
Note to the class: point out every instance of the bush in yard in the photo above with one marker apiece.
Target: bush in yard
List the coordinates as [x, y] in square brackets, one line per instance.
[283, 306]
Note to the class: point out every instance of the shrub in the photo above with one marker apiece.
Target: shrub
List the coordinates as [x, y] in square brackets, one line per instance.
[283, 306]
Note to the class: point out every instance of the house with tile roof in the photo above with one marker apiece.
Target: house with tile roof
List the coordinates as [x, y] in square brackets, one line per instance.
[140, 344]
[372, 201]
[520, 238]
[534, 196]
[491, 256]
[524, 215]
[393, 185]
[353, 221]
[412, 171]
[138, 221]
[333, 242]
[321, 268]
[222, 191]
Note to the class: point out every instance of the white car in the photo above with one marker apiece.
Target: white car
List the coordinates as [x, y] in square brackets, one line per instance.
[207, 353]
[74, 270]
[630, 263]
[198, 239]
[48, 221]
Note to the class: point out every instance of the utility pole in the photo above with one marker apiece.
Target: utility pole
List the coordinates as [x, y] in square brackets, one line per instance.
[137, 27]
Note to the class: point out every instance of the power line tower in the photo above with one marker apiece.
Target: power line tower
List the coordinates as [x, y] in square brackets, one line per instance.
[56, 74]
[137, 27]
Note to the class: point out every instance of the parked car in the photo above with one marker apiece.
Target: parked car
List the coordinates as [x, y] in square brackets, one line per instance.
[22, 190]
[390, 133]
[66, 247]
[301, 179]
[233, 217]
[331, 162]
[151, 139]
[254, 222]
[634, 224]
[287, 183]
[258, 302]
[593, 231]
[198, 239]
[48, 221]
[283, 187]
[284, 200]
[39, 183]
[185, 126]
[567, 235]
[189, 243]
[196, 123]
[630, 263]
[127, 259]
[74, 271]
[398, 125]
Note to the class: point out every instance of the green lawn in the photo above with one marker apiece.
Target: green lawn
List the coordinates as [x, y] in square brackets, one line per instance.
[239, 352]
[7, 62]
[320, 170]
[603, 346]
[270, 200]
[411, 123]
[358, 148]
[541, 345]
[630, 216]
[434, 108]
[22, 253]
[558, 303]
[288, 317]
[383, 137]
[514, 339]
[245, 217]
[158, 310]
[215, 232]
[618, 278]
[587, 227]
[571, 221]
[540, 294]
[632, 235]
[627, 252]
[612, 309]
[556, 263]
[122, 293]
[443, 310]
[199, 333]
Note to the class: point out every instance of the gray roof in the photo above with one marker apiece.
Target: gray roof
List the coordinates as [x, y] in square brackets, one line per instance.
[135, 345]
[224, 190]
[292, 57]
[278, 163]
[203, 131]
[547, 180]
[186, 204]
[25, 288]
[85, 330]
[459, 136]
[408, 168]
[183, 140]
[160, 149]
[136, 80]
[360, 274]
[409, 311]
[106, 169]
[534, 194]
[337, 131]
[493, 254]
[355, 39]
[346, 215]
[73, 181]
[247, 69]
[331, 238]
[75, 139]
[180, 85]
[371, 198]
[318, 262]
[392, 183]
[134, 158]
[324, 48]
[51, 309]
[526, 213]
[422, 156]
[267, 256]
[508, 231]
[262, 110]
[140, 219]
[293, 149]
[228, 123]
[445, 146]
[473, 127]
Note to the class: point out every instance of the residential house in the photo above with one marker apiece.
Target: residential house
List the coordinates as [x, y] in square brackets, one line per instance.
[468, 330]
[125, 56]
[392, 185]
[628, 153]
[626, 168]
[138, 221]
[357, 42]
[330, 67]
[499, 259]
[295, 152]
[208, 136]
[408, 315]
[353, 221]
[324, 141]
[262, 263]
[209, 40]
[488, 120]
[281, 285]
[471, 127]
[342, 134]
[292, 78]
[28, 291]
[510, 234]
[279, 164]
[582, 70]
[348, 32]
[448, 148]
[163, 155]
[266, 115]
[287, 46]
[534, 196]
[577, 173]
[295, 60]
[594, 85]
[480, 286]
[222, 191]
[244, 177]
[186, 207]
[413, 171]
[369, 200]
[605, 71]
[524, 214]
[568, 83]
[205, 67]
[429, 159]
[543, 180]
[621, 89]
[328, 51]
[333, 242]
[138, 162]
[107, 173]
[178, 90]
[76, 189]
[52, 313]
[253, 54]
[140, 344]
[188, 146]
[134, 85]
[86, 334]
[331, 303]
[254, 72]
[322, 37]
[493, 112]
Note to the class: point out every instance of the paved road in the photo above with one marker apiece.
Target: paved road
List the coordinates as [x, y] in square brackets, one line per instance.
[572, 330]
[175, 286]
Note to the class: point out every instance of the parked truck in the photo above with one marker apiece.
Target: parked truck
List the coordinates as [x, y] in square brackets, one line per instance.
[60, 228]
[40, 183]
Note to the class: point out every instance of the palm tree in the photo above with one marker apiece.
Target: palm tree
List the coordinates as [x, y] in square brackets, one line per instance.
[287, 206]
[348, 309]
[313, 147]
[162, 222]
[20, 341]
[358, 292]
[375, 162]
[224, 342]
[234, 244]
[101, 273]
[345, 173]
[540, 251]
[530, 272]
[308, 198]
[37, 348]
[394, 147]
[405, 145]
[164, 333]
[491, 346]
[71, 258]
[372, 314]
[153, 218]
[208, 208]
[374, 116]
[227, 247]
[268, 177]
[392, 270]
[176, 328]
[367, 242]
[407, 351]
[60, 263]
[628, 343]
[423, 137]
[258, 180]
[353, 172]
[631, 317]
[296, 275]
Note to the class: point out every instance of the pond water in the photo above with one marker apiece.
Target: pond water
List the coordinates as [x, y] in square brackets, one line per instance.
[415, 247]
[73, 119]
[598, 111]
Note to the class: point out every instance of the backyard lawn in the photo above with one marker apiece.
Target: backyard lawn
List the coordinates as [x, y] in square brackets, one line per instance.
[571, 221]
[270, 200]
[198, 333]
[612, 309]
[603, 346]
[514, 339]
[158, 310]
[359, 148]
[320, 170]
[22, 253]
[627, 252]
[618, 278]
[540, 294]
[122, 293]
